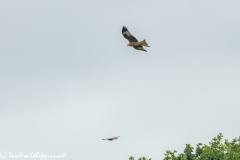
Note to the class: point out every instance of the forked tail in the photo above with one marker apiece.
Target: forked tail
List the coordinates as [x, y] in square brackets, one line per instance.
[144, 43]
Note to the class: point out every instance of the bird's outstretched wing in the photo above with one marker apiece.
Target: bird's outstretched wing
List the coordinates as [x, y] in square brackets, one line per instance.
[128, 35]
[139, 48]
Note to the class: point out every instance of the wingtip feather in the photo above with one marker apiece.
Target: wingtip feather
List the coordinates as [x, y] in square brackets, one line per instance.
[124, 28]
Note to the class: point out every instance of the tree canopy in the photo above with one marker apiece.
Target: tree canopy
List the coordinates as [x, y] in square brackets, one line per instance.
[217, 149]
[142, 158]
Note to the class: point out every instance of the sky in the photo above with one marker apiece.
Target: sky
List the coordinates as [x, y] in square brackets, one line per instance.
[68, 78]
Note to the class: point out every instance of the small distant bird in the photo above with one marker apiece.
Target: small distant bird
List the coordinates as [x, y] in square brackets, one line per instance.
[111, 139]
[133, 41]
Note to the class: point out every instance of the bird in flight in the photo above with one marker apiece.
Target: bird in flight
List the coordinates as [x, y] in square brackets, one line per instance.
[133, 41]
[111, 139]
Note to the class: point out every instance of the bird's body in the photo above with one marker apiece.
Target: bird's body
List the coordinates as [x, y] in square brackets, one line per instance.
[112, 138]
[135, 44]
[133, 41]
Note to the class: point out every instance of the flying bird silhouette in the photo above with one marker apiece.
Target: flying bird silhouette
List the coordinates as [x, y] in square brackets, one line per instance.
[111, 139]
[133, 41]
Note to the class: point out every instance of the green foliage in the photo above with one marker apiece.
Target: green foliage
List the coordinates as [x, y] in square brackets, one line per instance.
[143, 158]
[216, 150]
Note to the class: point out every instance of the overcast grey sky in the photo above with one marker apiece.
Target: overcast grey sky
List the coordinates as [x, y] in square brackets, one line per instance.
[68, 78]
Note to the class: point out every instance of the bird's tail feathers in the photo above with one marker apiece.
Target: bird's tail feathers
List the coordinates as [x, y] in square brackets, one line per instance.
[144, 43]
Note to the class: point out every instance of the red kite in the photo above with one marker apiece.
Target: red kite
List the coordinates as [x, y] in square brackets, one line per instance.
[133, 41]
[110, 139]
